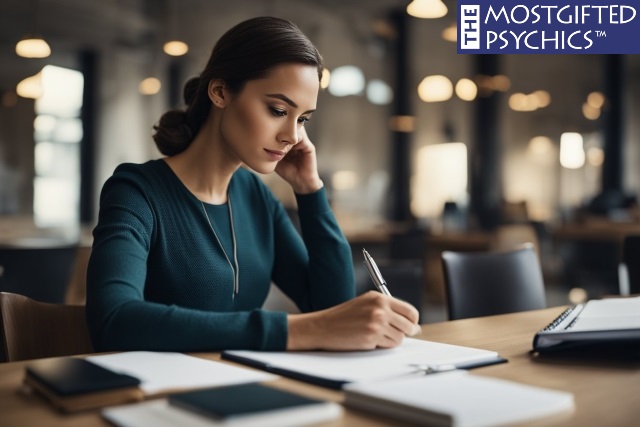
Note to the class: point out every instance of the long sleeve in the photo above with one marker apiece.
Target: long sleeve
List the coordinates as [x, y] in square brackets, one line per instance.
[119, 313]
[316, 270]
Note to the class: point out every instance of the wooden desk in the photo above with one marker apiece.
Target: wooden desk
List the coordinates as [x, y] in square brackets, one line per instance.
[606, 394]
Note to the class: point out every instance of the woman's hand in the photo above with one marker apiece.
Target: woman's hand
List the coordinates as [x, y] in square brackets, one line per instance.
[369, 321]
[300, 167]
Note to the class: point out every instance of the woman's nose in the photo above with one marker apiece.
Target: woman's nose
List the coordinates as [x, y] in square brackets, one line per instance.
[289, 133]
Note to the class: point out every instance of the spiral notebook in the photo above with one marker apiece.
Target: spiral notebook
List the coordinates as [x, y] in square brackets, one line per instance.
[606, 321]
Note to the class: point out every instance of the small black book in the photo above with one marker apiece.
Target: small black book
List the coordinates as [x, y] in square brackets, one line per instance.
[243, 401]
[69, 376]
[73, 384]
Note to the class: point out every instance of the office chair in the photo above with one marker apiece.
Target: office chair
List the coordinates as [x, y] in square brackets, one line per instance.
[31, 330]
[631, 262]
[487, 283]
[41, 273]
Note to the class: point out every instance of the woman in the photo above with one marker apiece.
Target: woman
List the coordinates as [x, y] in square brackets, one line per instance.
[186, 246]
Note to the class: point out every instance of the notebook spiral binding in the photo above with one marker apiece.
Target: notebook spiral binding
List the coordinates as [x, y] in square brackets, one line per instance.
[551, 326]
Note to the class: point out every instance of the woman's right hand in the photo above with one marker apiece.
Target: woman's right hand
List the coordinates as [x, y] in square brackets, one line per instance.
[372, 320]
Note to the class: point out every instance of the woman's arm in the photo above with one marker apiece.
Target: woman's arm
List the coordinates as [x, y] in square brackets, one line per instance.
[369, 321]
[118, 315]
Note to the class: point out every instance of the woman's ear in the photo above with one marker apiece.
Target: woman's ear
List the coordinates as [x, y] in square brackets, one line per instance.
[217, 93]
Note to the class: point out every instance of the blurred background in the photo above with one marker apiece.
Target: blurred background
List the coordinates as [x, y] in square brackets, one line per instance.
[422, 150]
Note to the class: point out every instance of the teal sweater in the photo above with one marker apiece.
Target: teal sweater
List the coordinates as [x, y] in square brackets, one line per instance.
[159, 280]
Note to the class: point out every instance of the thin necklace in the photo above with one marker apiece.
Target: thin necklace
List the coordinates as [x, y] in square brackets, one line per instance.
[236, 270]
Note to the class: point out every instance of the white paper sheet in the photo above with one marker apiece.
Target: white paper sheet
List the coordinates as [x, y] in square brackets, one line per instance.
[371, 365]
[160, 372]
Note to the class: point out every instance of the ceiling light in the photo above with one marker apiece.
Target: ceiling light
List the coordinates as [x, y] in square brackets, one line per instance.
[466, 89]
[435, 89]
[33, 47]
[175, 48]
[149, 86]
[543, 98]
[346, 80]
[590, 112]
[427, 9]
[378, 92]
[31, 87]
[596, 99]
[450, 33]
[326, 78]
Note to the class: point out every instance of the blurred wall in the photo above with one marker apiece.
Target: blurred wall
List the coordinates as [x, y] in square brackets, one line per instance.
[350, 133]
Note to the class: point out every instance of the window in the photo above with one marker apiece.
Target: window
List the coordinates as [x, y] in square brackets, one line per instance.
[57, 134]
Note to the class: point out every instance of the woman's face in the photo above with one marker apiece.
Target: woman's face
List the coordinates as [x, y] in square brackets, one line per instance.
[261, 124]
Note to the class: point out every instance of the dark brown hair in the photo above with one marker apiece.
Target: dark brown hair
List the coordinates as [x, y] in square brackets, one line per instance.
[246, 52]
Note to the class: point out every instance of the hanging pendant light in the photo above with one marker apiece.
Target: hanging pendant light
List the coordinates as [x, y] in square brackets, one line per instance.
[33, 47]
[175, 48]
[429, 9]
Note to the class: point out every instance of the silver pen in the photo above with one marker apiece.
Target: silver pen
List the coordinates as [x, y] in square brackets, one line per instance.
[375, 274]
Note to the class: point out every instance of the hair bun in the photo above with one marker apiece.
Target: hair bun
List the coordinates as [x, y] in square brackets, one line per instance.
[172, 134]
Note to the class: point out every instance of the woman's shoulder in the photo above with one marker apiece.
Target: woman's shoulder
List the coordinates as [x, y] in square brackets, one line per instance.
[151, 167]
[144, 178]
[148, 173]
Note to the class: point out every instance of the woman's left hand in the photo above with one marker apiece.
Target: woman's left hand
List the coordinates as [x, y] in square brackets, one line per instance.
[300, 167]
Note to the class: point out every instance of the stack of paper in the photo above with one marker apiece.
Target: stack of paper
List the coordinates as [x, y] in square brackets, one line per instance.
[457, 398]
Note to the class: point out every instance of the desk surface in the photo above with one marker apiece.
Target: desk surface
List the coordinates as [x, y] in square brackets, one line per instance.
[606, 393]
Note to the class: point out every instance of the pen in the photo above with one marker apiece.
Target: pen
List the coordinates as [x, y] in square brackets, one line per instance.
[377, 278]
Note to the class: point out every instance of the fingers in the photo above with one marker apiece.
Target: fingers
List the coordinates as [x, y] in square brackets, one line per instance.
[400, 318]
[404, 325]
[405, 309]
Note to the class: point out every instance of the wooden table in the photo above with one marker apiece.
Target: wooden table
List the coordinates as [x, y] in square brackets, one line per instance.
[607, 393]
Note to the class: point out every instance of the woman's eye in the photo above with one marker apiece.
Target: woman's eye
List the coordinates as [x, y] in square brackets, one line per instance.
[277, 112]
[304, 120]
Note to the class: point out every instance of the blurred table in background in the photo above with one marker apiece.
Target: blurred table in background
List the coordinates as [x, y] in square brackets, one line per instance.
[596, 230]
[591, 250]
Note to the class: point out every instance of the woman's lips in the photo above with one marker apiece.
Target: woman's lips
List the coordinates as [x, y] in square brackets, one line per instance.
[275, 154]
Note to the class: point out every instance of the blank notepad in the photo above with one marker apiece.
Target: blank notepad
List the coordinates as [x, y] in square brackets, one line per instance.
[457, 398]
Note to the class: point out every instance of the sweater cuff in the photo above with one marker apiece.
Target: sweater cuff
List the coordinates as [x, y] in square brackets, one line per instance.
[313, 203]
[276, 333]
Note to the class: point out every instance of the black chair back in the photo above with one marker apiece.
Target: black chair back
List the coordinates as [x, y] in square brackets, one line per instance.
[41, 273]
[487, 283]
